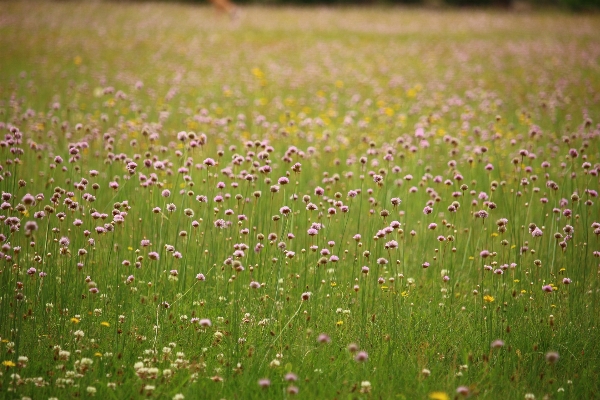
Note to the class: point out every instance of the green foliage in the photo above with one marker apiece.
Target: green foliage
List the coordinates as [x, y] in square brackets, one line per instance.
[111, 113]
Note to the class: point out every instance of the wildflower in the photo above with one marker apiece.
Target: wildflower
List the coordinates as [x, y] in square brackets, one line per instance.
[462, 390]
[323, 338]
[205, 323]
[361, 356]
[290, 377]
[488, 299]
[264, 383]
[200, 277]
[552, 357]
[496, 344]
[438, 396]
[547, 288]
[8, 364]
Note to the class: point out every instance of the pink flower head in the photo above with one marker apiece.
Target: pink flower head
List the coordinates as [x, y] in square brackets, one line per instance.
[361, 356]
[547, 288]
[264, 383]
[323, 338]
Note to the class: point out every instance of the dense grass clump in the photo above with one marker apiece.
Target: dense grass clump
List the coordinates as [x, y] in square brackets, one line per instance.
[314, 202]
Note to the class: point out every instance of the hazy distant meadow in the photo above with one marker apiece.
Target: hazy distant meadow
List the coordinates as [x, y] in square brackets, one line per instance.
[320, 203]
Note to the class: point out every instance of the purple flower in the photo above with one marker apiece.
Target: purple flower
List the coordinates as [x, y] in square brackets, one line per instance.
[153, 255]
[264, 383]
[200, 277]
[291, 377]
[547, 288]
[496, 344]
[323, 338]
[361, 356]
[254, 285]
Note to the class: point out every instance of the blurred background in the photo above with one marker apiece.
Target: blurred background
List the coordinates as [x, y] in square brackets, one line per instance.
[572, 5]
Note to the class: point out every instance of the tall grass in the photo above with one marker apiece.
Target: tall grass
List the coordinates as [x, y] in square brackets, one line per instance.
[329, 203]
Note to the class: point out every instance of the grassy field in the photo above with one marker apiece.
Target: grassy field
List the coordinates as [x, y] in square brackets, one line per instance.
[322, 203]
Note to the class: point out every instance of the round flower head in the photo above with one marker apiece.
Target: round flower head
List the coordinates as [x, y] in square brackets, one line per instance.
[264, 383]
[496, 344]
[323, 338]
[552, 357]
[361, 356]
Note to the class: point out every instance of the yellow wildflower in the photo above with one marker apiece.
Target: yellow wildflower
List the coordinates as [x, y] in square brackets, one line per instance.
[438, 396]
[8, 363]
[488, 298]
[74, 320]
[104, 323]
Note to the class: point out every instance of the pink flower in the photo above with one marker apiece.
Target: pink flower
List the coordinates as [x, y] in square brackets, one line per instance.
[323, 338]
[264, 383]
[361, 356]
[547, 288]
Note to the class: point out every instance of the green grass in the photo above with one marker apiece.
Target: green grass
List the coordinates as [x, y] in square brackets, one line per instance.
[323, 88]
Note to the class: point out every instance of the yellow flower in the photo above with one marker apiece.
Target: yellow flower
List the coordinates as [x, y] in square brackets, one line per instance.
[8, 363]
[488, 298]
[339, 323]
[404, 294]
[333, 284]
[438, 396]
[75, 320]
[98, 354]
[517, 281]
[104, 323]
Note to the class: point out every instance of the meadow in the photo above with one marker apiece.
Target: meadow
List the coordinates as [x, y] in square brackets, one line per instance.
[320, 203]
